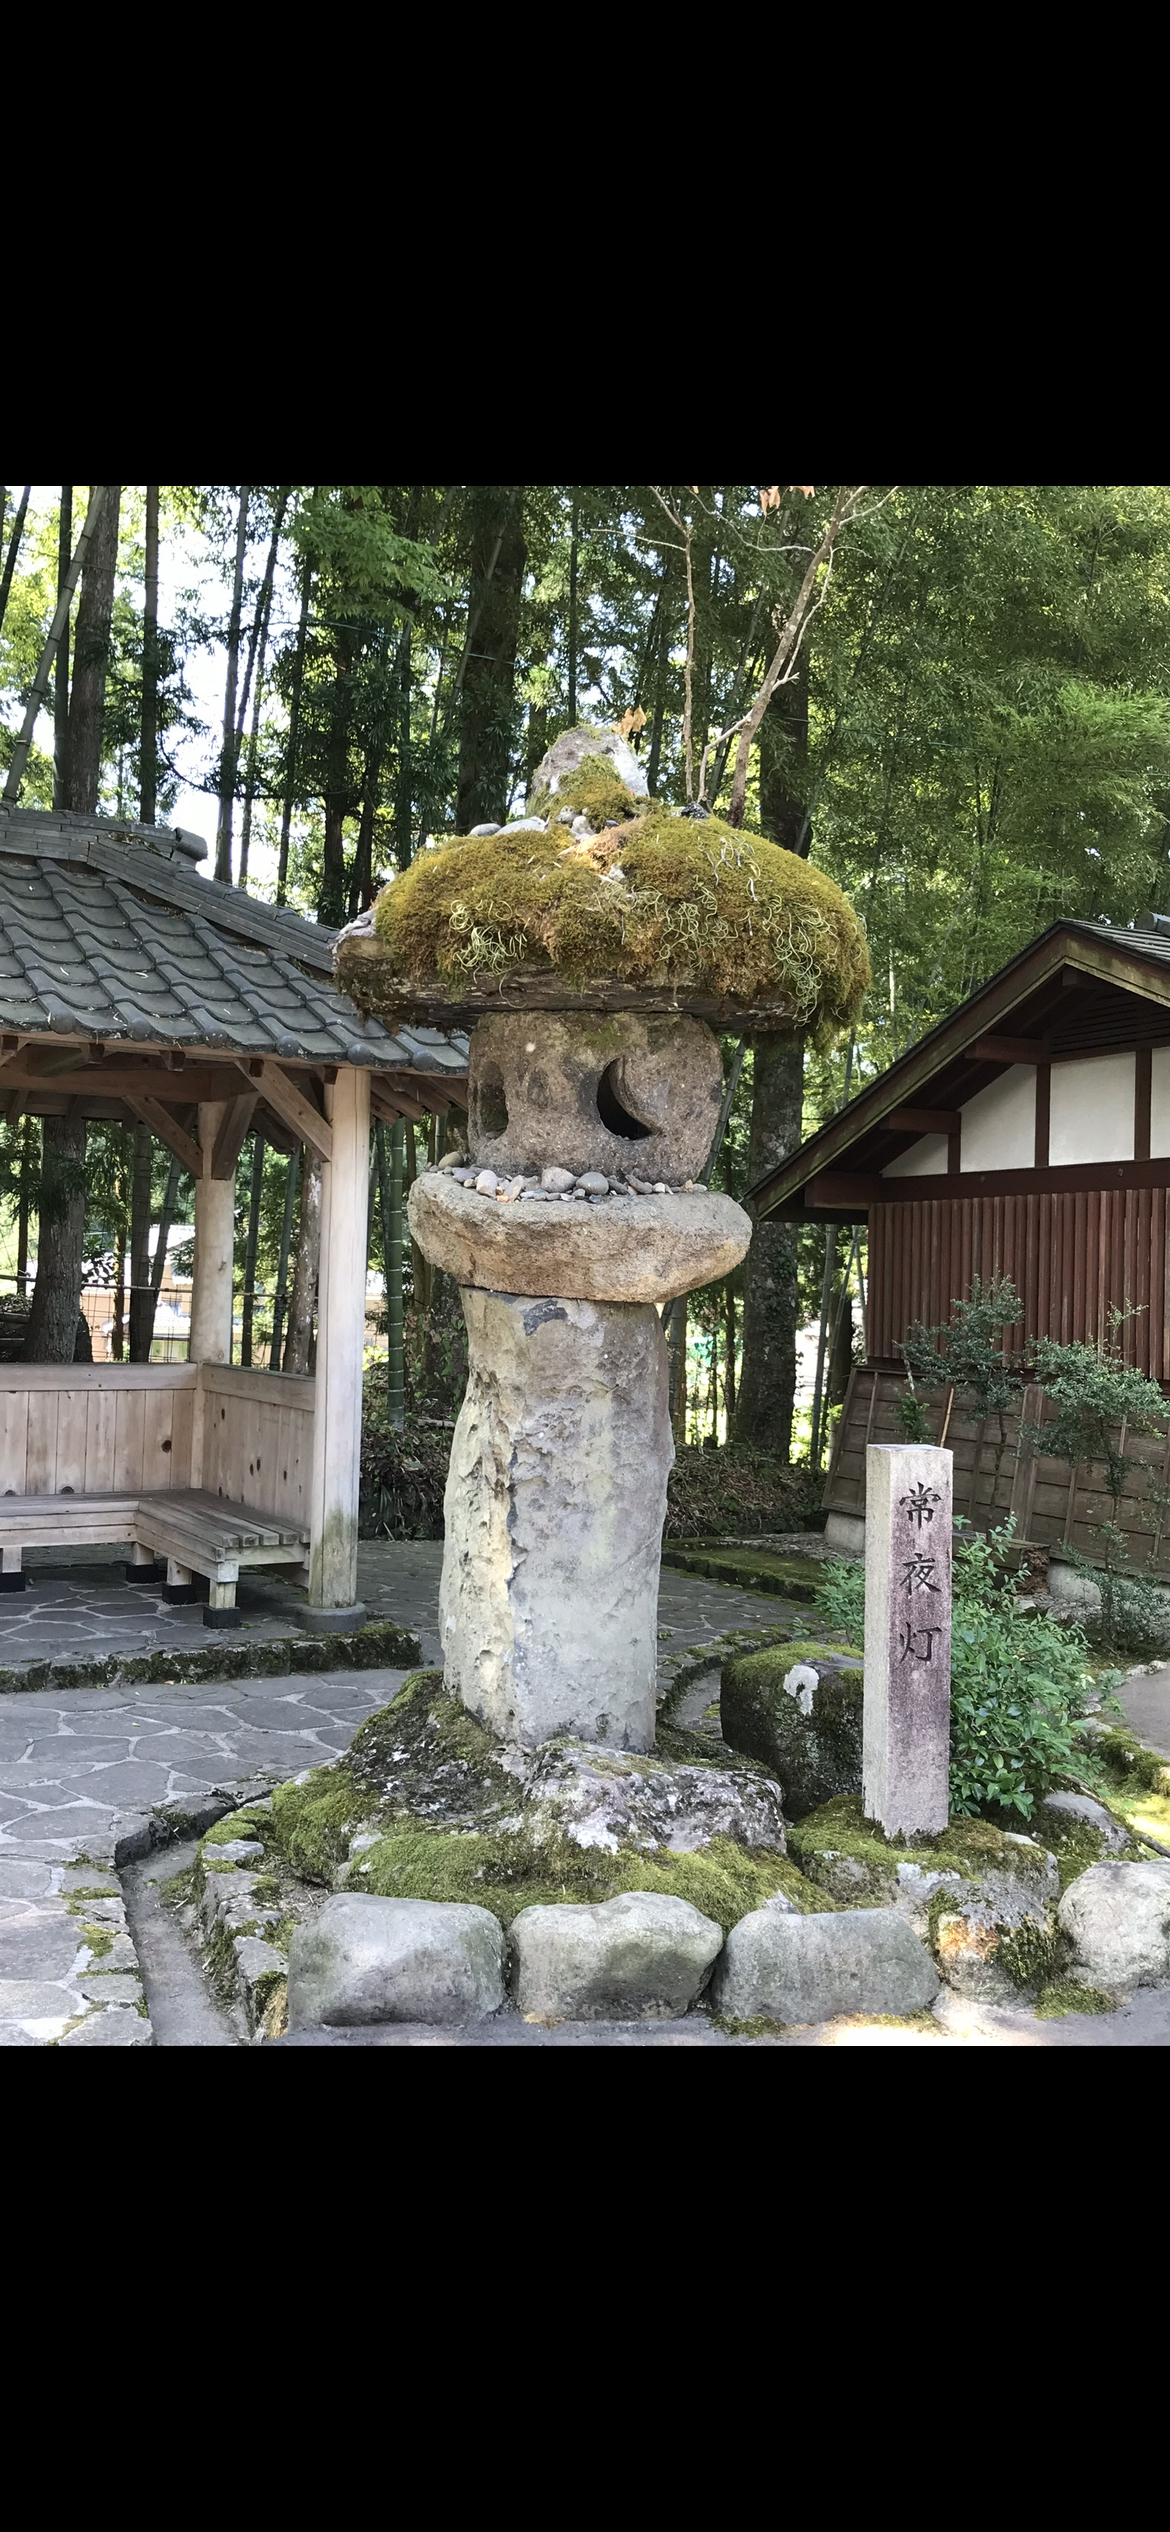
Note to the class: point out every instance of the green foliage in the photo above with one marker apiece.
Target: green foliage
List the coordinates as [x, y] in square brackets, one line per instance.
[963, 1351]
[1019, 1681]
[1094, 1390]
[737, 1493]
[912, 1417]
[841, 1597]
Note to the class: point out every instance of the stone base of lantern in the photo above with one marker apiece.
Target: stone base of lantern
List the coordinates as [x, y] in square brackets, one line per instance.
[554, 1509]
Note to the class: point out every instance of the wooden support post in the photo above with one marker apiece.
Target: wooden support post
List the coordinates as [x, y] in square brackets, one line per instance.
[211, 1287]
[180, 1584]
[340, 1341]
[12, 1576]
[221, 1607]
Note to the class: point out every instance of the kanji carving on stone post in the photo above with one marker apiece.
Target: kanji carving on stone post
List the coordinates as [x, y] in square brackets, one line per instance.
[906, 1737]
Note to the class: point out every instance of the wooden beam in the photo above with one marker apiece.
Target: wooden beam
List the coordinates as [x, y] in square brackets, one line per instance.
[237, 1118]
[392, 1104]
[162, 1123]
[841, 1187]
[921, 1120]
[1011, 1050]
[292, 1107]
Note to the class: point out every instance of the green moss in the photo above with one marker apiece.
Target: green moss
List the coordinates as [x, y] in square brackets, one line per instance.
[593, 790]
[1075, 1843]
[1128, 1762]
[314, 1822]
[1027, 1954]
[1062, 1995]
[839, 1833]
[373, 1647]
[247, 1823]
[691, 903]
[180, 1890]
[751, 1568]
[757, 2028]
[98, 1937]
[506, 1870]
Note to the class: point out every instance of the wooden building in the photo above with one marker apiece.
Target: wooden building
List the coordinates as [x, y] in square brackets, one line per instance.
[131, 987]
[1027, 1135]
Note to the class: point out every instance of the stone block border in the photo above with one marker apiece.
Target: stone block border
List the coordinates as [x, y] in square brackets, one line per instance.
[376, 1647]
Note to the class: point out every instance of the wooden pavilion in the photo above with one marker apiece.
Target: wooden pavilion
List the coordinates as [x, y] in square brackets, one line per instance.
[133, 988]
[1028, 1135]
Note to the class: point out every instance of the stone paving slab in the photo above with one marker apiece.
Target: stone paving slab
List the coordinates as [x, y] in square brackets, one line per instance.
[68, 1969]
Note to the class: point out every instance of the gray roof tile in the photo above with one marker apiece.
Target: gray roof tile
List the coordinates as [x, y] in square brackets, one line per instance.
[108, 931]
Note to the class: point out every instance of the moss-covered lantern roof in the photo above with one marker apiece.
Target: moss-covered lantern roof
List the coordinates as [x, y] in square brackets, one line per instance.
[603, 900]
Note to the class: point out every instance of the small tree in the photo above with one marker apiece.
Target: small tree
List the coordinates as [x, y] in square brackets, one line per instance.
[966, 1354]
[1096, 1393]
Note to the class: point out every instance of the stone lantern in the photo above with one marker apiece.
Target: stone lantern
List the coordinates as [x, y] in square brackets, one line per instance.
[578, 1213]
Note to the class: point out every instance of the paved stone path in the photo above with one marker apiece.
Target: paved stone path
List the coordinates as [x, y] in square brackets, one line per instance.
[86, 1608]
[82, 1772]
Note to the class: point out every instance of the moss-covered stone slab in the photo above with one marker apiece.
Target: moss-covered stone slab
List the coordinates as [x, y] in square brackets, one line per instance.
[752, 1569]
[379, 1646]
[428, 1804]
[847, 1855]
[798, 1708]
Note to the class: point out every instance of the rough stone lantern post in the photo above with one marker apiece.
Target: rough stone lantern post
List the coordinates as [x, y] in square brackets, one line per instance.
[595, 946]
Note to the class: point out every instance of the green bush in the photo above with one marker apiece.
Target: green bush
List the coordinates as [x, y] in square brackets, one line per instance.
[1019, 1681]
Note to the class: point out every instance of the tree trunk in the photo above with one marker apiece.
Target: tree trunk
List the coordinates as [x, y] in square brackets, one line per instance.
[227, 762]
[61, 694]
[280, 1303]
[572, 640]
[13, 551]
[148, 742]
[91, 653]
[159, 1266]
[256, 658]
[487, 702]
[251, 1245]
[56, 1301]
[390, 1176]
[304, 1291]
[767, 1386]
[294, 726]
[141, 1311]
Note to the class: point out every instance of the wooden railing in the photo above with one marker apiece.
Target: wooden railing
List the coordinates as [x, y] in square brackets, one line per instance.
[258, 1438]
[140, 1428]
[95, 1428]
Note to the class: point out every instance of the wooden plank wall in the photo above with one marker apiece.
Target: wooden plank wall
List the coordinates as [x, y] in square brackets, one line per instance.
[258, 1438]
[1071, 1257]
[95, 1428]
[1051, 1505]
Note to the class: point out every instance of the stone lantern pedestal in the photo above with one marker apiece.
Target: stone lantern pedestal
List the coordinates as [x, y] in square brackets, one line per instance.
[557, 1488]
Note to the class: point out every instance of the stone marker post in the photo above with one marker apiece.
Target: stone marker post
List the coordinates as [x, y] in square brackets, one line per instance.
[906, 1731]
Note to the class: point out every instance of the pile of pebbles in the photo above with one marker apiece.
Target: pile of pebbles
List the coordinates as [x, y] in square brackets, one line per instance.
[560, 1186]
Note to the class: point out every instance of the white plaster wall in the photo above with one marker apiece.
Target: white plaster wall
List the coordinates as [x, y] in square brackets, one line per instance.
[999, 1123]
[1091, 1116]
[927, 1158]
[1160, 1103]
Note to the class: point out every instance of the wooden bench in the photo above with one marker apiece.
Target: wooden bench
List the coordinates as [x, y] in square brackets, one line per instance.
[196, 1533]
